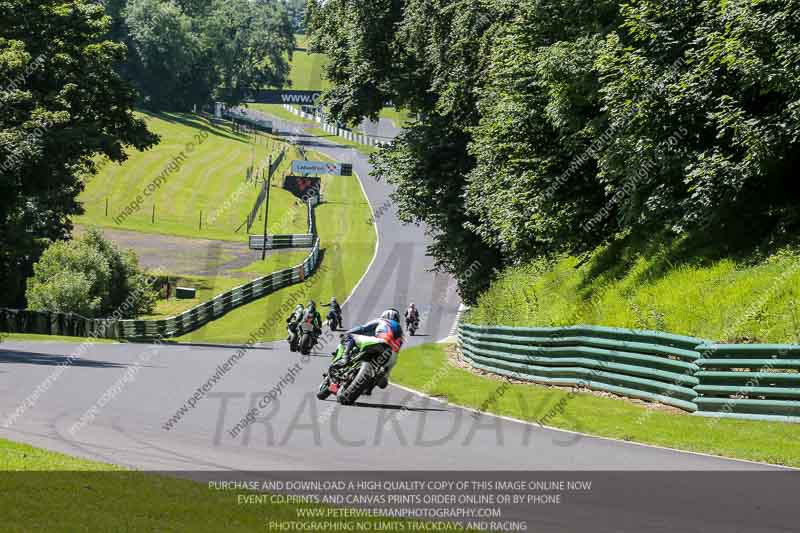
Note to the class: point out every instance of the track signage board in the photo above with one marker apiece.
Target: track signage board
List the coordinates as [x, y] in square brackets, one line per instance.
[321, 167]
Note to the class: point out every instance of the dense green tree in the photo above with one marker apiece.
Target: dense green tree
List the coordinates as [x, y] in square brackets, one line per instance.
[423, 56]
[542, 116]
[249, 45]
[297, 14]
[127, 283]
[186, 52]
[167, 48]
[555, 126]
[69, 278]
[89, 276]
[724, 80]
[62, 104]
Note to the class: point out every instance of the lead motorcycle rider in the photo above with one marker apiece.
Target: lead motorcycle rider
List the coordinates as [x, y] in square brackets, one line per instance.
[293, 321]
[412, 316]
[296, 316]
[387, 328]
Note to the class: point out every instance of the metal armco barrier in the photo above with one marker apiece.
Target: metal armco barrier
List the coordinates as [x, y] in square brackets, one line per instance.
[63, 324]
[758, 381]
[68, 324]
[651, 366]
[752, 381]
[277, 242]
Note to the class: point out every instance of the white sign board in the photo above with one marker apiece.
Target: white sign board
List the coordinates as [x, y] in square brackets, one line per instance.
[316, 167]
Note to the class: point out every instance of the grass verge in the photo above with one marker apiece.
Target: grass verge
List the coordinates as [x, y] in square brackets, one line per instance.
[428, 369]
[47, 491]
[664, 285]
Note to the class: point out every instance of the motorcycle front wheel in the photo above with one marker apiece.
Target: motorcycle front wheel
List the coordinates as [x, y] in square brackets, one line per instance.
[324, 391]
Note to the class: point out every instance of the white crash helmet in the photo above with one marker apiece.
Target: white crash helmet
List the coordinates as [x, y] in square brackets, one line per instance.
[391, 314]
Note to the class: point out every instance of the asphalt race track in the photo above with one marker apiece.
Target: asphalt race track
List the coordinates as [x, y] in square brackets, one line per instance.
[141, 388]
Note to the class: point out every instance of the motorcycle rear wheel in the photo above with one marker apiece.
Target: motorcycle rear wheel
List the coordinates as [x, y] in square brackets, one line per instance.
[305, 344]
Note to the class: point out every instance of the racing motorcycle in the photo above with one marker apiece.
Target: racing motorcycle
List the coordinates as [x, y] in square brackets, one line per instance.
[334, 320]
[367, 368]
[308, 335]
[294, 337]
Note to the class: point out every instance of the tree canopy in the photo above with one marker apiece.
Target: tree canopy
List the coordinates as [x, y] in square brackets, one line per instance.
[555, 126]
[187, 52]
[92, 277]
[62, 104]
[71, 73]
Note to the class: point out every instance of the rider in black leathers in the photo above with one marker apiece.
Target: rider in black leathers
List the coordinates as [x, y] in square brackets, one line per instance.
[412, 315]
[336, 308]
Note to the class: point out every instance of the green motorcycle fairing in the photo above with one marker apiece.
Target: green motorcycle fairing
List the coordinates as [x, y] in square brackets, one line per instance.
[365, 345]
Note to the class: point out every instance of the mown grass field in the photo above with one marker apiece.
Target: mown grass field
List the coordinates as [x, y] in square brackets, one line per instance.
[210, 178]
[666, 286]
[427, 368]
[46, 491]
[348, 246]
[306, 72]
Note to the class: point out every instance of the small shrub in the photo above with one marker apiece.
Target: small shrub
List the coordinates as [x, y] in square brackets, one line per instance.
[89, 276]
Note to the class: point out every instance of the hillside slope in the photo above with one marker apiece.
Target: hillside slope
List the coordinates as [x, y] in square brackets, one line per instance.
[661, 285]
[197, 167]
